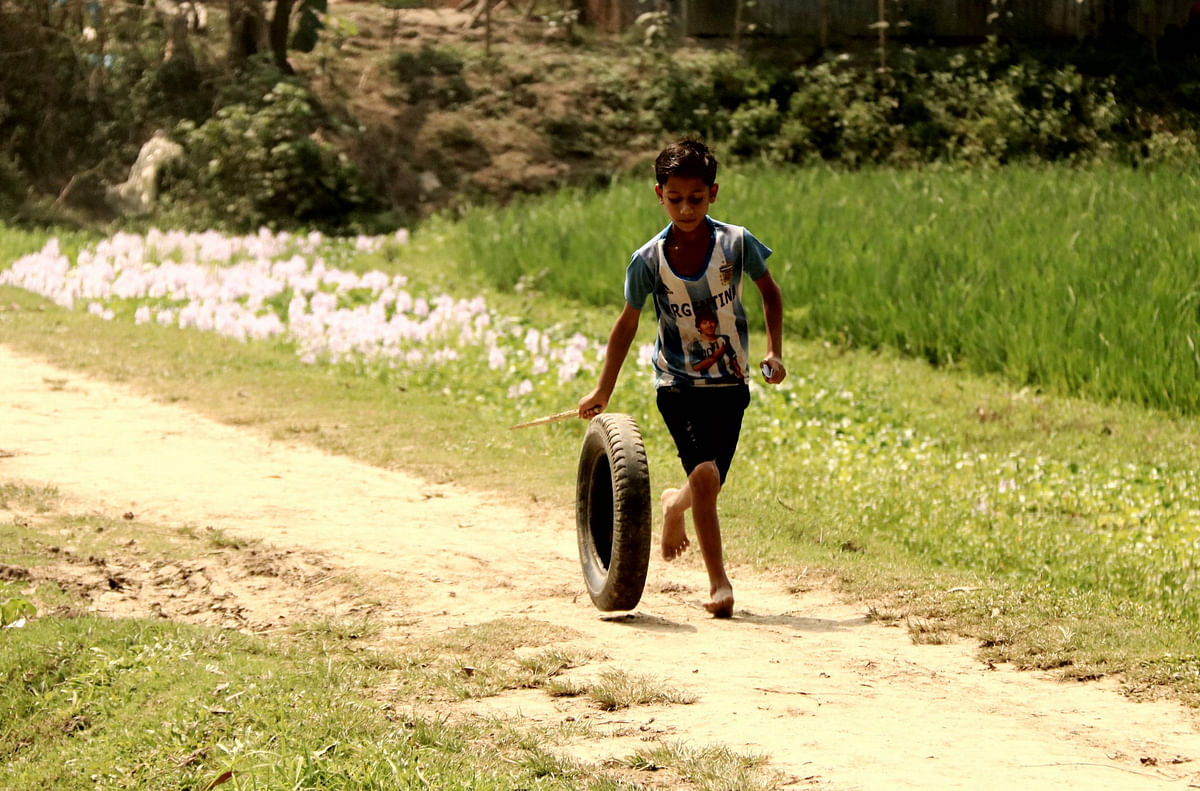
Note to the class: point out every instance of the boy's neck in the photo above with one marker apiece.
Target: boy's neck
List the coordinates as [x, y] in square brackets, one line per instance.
[687, 252]
[701, 232]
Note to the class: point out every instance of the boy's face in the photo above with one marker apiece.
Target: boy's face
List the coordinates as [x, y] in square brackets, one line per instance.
[686, 200]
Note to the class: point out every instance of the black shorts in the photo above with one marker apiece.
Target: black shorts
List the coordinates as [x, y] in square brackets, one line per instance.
[705, 422]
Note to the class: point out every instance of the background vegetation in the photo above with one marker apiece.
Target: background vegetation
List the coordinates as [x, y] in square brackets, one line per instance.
[380, 116]
[1077, 280]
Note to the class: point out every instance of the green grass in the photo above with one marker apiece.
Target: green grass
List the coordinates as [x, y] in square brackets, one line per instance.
[1078, 280]
[617, 689]
[155, 705]
[17, 241]
[483, 660]
[37, 497]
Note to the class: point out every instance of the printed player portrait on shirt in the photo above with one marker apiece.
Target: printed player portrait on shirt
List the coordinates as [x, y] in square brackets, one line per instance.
[709, 349]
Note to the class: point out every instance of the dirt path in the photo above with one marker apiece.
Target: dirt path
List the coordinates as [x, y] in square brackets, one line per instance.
[832, 698]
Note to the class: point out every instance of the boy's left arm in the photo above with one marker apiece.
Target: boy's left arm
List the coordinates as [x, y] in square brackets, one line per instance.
[772, 300]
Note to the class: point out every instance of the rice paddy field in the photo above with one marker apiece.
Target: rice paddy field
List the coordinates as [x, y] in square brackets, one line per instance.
[1078, 281]
[990, 415]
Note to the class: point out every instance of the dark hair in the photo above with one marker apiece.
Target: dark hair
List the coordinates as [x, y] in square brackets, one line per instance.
[706, 313]
[688, 158]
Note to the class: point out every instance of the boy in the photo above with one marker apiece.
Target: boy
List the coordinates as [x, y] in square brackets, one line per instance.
[693, 270]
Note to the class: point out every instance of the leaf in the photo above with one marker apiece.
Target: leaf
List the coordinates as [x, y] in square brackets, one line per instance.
[14, 610]
[220, 779]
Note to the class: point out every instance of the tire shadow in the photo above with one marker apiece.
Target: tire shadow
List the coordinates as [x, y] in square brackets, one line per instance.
[648, 623]
[799, 622]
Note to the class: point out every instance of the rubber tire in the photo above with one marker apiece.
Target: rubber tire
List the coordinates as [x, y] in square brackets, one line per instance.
[612, 510]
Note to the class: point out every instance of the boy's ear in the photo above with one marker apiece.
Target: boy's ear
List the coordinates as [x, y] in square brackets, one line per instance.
[658, 192]
[712, 192]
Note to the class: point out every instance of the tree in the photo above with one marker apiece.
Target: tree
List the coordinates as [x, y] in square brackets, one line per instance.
[293, 25]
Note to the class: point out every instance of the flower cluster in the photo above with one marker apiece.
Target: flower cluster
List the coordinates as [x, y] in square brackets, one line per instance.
[283, 286]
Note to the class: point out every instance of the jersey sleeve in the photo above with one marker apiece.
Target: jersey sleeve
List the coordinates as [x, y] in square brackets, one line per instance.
[639, 283]
[754, 255]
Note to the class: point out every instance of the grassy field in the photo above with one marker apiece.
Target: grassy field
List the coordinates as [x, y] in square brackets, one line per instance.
[1059, 530]
[1079, 281]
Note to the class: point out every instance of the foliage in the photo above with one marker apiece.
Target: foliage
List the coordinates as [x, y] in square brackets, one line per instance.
[969, 109]
[431, 73]
[12, 187]
[81, 87]
[266, 164]
[986, 105]
[668, 92]
[75, 107]
[14, 610]
[308, 24]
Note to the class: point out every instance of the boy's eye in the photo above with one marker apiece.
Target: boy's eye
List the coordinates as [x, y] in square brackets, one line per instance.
[696, 200]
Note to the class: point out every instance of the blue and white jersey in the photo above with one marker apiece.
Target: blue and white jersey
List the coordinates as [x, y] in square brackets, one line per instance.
[702, 337]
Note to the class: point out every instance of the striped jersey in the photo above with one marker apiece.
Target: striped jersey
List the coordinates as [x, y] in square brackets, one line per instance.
[702, 335]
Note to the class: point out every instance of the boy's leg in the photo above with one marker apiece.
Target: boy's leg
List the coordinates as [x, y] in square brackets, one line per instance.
[705, 485]
[705, 425]
[675, 503]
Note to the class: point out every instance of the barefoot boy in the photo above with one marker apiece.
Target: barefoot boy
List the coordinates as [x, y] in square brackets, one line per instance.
[693, 271]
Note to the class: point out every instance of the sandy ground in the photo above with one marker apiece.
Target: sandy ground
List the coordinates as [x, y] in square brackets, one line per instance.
[834, 699]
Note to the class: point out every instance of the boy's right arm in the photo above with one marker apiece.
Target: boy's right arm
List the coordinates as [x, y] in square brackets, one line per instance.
[619, 340]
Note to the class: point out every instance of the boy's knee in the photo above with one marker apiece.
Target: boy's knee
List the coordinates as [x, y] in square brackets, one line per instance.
[705, 480]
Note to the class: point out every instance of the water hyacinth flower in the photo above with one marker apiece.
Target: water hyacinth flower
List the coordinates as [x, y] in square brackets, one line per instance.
[646, 354]
[496, 358]
[524, 388]
[282, 286]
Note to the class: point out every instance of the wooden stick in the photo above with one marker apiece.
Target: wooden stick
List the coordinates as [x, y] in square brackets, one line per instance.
[570, 413]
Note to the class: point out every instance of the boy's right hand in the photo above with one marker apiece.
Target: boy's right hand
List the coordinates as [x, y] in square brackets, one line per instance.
[591, 405]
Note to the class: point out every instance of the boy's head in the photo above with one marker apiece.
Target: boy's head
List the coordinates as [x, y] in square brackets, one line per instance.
[687, 158]
[687, 183]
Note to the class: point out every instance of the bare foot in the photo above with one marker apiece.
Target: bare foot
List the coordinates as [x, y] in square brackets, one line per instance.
[721, 603]
[674, 534]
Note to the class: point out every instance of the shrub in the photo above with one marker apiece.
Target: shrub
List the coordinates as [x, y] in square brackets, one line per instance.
[268, 165]
[752, 126]
[12, 187]
[431, 73]
[977, 108]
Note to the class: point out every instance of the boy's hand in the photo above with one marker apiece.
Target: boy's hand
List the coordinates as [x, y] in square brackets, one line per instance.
[591, 405]
[772, 369]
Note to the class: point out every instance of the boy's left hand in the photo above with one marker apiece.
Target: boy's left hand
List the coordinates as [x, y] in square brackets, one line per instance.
[772, 369]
